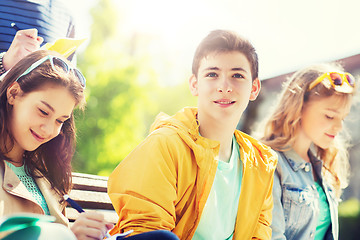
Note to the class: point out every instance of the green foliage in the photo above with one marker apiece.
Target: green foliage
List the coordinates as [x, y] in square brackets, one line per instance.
[112, 122]
[169, 100]
[349, 219]
[105, 18]
[349, 208]
[120, 108]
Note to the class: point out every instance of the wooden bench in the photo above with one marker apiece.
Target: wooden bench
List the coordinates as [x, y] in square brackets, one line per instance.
[90, 192]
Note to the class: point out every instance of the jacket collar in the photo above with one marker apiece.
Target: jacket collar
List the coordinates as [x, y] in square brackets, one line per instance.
[297, 163]
[186, 125]
[13, 185]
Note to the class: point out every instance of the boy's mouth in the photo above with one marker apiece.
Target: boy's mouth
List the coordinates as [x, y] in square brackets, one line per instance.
[224, 102]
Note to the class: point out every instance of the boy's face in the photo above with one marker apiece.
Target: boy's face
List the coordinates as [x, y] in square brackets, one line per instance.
[224, 86]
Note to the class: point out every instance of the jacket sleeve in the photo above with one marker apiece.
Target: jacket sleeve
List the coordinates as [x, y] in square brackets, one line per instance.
[142, 188]
[263, 230]
[278, 223]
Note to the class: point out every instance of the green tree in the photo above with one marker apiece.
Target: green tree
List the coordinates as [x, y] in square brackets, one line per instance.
[123, 94]
[106, 131]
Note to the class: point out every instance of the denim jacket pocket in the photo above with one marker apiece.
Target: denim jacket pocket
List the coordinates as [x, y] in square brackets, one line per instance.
[299, 205]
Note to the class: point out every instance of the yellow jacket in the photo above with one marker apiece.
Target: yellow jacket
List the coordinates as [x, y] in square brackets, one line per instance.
[165, 181]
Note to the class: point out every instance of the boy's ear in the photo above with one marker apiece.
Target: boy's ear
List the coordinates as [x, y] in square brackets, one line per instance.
[13, 91]
[255, 89]
[193, 85]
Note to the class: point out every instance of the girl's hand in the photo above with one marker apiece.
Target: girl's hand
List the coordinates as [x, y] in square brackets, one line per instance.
[90, 225]
[25, 42]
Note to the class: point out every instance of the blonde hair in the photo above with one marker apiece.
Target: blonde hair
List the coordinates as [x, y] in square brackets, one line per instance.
[281, 127]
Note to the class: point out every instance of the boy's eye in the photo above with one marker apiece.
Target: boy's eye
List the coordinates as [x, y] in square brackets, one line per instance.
[60, 122]
[238, 75]
[43, 112]
[329, 117]
[212, 74]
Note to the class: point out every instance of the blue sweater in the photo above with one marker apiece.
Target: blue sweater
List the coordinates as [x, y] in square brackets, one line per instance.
[49, 17]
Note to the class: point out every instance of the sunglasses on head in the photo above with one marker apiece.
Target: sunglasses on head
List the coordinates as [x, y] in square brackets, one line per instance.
[341, 82]
[58, 62]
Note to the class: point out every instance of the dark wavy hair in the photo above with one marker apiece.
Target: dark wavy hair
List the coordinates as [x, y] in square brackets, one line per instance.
[53, 158]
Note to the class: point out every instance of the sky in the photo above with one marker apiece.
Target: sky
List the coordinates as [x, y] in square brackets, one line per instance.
[288, 34]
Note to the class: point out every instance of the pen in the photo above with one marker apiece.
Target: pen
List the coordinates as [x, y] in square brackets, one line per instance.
[73, 203]
[13, 25]
[79, 209]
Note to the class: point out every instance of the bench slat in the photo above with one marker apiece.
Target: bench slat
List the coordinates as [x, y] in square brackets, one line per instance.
[89, 182]
[90, 192]
[90, 199]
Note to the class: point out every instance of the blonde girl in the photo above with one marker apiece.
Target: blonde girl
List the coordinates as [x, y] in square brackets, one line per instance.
[305, 129]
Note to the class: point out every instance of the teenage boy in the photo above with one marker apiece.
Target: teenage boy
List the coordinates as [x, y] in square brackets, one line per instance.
[195, 174]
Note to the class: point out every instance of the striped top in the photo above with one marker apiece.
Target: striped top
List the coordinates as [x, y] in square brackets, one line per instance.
[49, 17]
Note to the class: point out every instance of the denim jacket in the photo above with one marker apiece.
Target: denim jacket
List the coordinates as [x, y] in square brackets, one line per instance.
[296, 200]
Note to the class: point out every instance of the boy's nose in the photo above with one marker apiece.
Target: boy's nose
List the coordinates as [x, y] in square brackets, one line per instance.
[224, 86]
[227, 90]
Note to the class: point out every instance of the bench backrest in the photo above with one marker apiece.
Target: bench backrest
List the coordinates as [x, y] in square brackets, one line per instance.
[89, 191]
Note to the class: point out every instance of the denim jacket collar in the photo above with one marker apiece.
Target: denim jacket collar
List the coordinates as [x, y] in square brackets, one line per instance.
[297, 163]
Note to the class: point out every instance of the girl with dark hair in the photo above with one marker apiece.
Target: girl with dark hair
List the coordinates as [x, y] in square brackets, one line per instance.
[37, 142]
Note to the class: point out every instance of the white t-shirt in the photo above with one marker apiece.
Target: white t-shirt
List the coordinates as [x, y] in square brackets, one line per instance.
[219, 215]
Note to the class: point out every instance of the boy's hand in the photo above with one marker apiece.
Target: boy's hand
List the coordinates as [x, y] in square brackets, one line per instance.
[90, 225]
[24, 42]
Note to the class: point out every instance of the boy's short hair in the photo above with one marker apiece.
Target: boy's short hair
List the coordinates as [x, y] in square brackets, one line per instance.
[226, 41]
